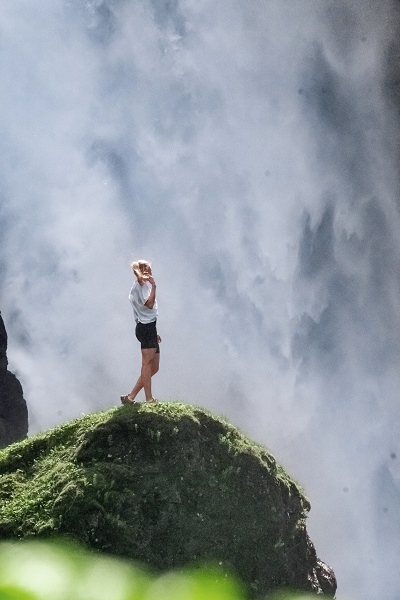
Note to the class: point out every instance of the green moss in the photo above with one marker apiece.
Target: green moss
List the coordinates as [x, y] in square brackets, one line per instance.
[165, 484]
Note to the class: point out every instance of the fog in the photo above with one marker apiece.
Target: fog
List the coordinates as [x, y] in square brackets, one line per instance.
[249, 149]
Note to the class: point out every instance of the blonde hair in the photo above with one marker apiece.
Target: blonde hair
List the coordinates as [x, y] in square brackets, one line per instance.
[138, 266]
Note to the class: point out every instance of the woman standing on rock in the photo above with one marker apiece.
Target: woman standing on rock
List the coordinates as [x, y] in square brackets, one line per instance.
[145, 310]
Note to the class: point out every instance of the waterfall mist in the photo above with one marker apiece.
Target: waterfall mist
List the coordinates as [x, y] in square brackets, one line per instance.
[250, 150]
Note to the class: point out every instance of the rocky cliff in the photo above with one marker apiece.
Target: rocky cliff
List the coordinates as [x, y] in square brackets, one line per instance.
[166, 485]
[13, 409]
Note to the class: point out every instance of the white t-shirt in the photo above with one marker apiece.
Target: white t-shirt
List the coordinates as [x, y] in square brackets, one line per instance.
[138, 296]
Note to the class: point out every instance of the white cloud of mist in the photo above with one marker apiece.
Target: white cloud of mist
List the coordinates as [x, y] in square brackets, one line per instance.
[247, 149]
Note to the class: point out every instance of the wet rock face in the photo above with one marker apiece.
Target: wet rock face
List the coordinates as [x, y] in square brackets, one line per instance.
[13, 409]
[3, 346]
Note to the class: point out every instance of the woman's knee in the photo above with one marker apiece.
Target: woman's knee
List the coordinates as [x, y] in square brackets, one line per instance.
[147, 356]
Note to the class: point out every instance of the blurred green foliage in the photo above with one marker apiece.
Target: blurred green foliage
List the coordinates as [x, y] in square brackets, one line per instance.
[32, 570]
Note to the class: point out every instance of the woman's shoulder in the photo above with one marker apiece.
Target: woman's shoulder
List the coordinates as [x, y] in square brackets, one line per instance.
[137, 289]
[134, 288]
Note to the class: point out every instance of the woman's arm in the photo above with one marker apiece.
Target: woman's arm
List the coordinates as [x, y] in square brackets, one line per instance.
[152, 298]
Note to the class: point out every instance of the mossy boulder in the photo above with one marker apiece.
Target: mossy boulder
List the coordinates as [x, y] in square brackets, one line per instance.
[166, 485]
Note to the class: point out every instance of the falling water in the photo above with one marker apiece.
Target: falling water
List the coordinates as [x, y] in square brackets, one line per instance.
[249, 149]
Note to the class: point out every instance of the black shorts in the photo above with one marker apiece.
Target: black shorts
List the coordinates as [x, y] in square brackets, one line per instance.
[146, 333]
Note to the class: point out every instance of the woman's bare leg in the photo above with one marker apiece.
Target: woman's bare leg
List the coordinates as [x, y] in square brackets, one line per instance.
[150, 364]
[147, 362]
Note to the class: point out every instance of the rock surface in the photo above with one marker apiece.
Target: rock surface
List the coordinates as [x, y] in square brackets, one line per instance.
[166, 485]
[13, 409]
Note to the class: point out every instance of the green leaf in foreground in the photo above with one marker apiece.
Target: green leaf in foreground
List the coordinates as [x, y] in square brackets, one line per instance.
[55, 571]
[203, 584]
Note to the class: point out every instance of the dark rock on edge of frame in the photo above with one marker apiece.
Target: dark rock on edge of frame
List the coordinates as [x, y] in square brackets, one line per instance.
[13, 408]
